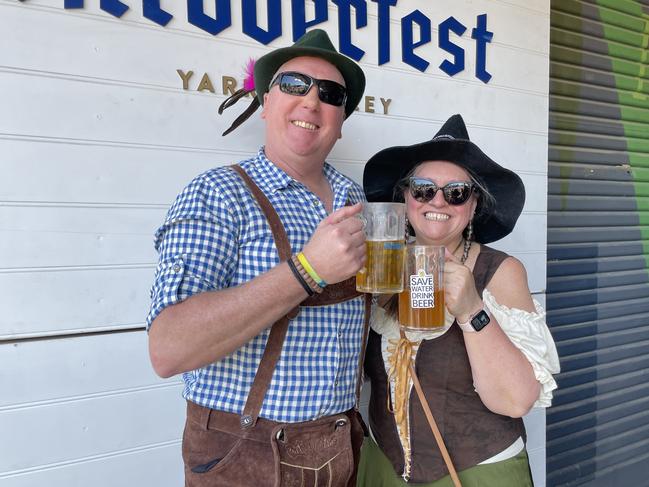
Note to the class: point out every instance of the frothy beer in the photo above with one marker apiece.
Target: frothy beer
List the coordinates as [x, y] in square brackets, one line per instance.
[383, 271]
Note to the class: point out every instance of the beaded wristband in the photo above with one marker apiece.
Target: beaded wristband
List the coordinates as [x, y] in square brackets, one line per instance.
[299, 278]
[314, 275]
[305, 275]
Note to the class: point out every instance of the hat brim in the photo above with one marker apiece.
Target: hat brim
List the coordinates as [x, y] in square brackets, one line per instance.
[267, 65]
[386, 168]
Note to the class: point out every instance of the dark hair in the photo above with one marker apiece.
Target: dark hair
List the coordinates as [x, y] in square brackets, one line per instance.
[392, 307]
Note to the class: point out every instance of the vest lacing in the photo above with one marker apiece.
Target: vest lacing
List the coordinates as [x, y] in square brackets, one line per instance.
[401, 352]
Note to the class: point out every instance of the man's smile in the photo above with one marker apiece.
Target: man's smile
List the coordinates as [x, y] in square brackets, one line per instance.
[305, 125]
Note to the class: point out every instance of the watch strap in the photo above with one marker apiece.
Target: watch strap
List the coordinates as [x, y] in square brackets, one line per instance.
[476, 322]
[466, 327]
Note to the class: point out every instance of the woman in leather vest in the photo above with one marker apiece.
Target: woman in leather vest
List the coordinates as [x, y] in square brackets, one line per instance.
[493, 359]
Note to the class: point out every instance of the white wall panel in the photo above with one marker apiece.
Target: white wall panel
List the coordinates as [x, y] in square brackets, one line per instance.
[530, 260]
[55, 236]
[123, 175]
[531, 17]
[535, 428]
[156, 466]
[77, 172]
[105, 112]
[520, 151]
[101, 47]
[97, 137]
[133, 115]
[80, 405]
[88, 427]
[76, 367]
[68, 300]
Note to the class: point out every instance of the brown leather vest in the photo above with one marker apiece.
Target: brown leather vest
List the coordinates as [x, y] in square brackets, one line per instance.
[472, 432]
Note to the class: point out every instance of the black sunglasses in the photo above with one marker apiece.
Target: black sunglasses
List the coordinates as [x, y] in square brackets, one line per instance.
[298, 84]
[424, 190]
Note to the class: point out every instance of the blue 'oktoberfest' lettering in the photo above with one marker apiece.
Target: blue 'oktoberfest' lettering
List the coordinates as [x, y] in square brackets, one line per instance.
[412, 23]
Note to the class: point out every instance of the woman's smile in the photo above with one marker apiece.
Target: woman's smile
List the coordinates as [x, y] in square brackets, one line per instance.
[436, 217]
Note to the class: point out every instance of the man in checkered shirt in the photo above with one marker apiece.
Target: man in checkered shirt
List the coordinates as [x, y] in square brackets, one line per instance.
[219, 285]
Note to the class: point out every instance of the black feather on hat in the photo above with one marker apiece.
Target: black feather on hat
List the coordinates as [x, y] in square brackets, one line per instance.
[451, 143]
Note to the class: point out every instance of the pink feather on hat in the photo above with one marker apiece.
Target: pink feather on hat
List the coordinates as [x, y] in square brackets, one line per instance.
[249, 80]
[248, 87]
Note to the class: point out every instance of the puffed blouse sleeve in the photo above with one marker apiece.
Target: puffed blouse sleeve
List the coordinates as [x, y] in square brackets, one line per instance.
[529, 332]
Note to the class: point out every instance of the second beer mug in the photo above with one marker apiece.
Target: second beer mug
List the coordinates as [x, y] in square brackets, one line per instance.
[421, 304]
[385, 226]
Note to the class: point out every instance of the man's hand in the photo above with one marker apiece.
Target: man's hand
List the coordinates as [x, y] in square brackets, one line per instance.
[336, 250]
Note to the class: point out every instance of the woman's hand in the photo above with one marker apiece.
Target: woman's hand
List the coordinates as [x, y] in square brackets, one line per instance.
[460, 295]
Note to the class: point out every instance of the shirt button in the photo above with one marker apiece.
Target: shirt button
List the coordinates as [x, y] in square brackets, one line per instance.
[316, 203]
[176, 268]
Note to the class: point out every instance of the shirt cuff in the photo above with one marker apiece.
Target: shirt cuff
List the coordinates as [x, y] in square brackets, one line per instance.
[169, 287]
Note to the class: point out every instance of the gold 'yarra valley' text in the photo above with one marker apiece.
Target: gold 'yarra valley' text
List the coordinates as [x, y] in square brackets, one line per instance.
[229, 86]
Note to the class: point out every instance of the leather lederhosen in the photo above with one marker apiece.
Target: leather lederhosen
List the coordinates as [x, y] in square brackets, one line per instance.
[472, 432]
[226, 449]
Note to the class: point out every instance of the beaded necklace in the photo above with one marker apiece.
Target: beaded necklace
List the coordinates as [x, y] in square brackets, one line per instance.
[465, 252]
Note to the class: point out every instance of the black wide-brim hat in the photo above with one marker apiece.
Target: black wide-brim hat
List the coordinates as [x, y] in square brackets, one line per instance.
[389, 166]
[315, 43]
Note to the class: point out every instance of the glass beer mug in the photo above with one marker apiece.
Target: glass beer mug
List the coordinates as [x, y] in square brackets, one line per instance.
[385, 226]
[421, 304]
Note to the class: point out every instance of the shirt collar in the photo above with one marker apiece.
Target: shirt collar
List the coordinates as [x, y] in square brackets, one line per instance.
[336, 179]
[271, 178]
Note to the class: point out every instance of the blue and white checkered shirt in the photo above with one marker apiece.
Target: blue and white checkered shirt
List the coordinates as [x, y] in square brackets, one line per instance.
[215, 236]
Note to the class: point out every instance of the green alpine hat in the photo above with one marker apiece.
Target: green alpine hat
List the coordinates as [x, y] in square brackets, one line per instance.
[315, 43]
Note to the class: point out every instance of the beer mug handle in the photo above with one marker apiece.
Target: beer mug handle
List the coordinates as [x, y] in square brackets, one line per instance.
[363, 220]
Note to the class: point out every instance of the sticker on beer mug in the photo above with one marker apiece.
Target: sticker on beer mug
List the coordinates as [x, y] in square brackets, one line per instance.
[422, 290]
[393, 245]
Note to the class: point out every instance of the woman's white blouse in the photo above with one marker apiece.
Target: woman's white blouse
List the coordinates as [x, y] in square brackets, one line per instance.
[529, 332]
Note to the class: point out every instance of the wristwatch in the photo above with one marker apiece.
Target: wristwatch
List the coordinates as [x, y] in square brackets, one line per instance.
[476, 323]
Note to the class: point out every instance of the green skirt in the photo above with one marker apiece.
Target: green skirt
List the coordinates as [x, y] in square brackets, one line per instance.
[375, 470]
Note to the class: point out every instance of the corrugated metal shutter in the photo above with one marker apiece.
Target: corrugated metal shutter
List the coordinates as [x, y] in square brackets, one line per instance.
[598, 242]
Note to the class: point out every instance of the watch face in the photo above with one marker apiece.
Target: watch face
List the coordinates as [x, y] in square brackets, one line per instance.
[480, 320]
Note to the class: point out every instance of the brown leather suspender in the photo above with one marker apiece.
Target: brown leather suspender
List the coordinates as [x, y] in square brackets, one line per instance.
[334, 293]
